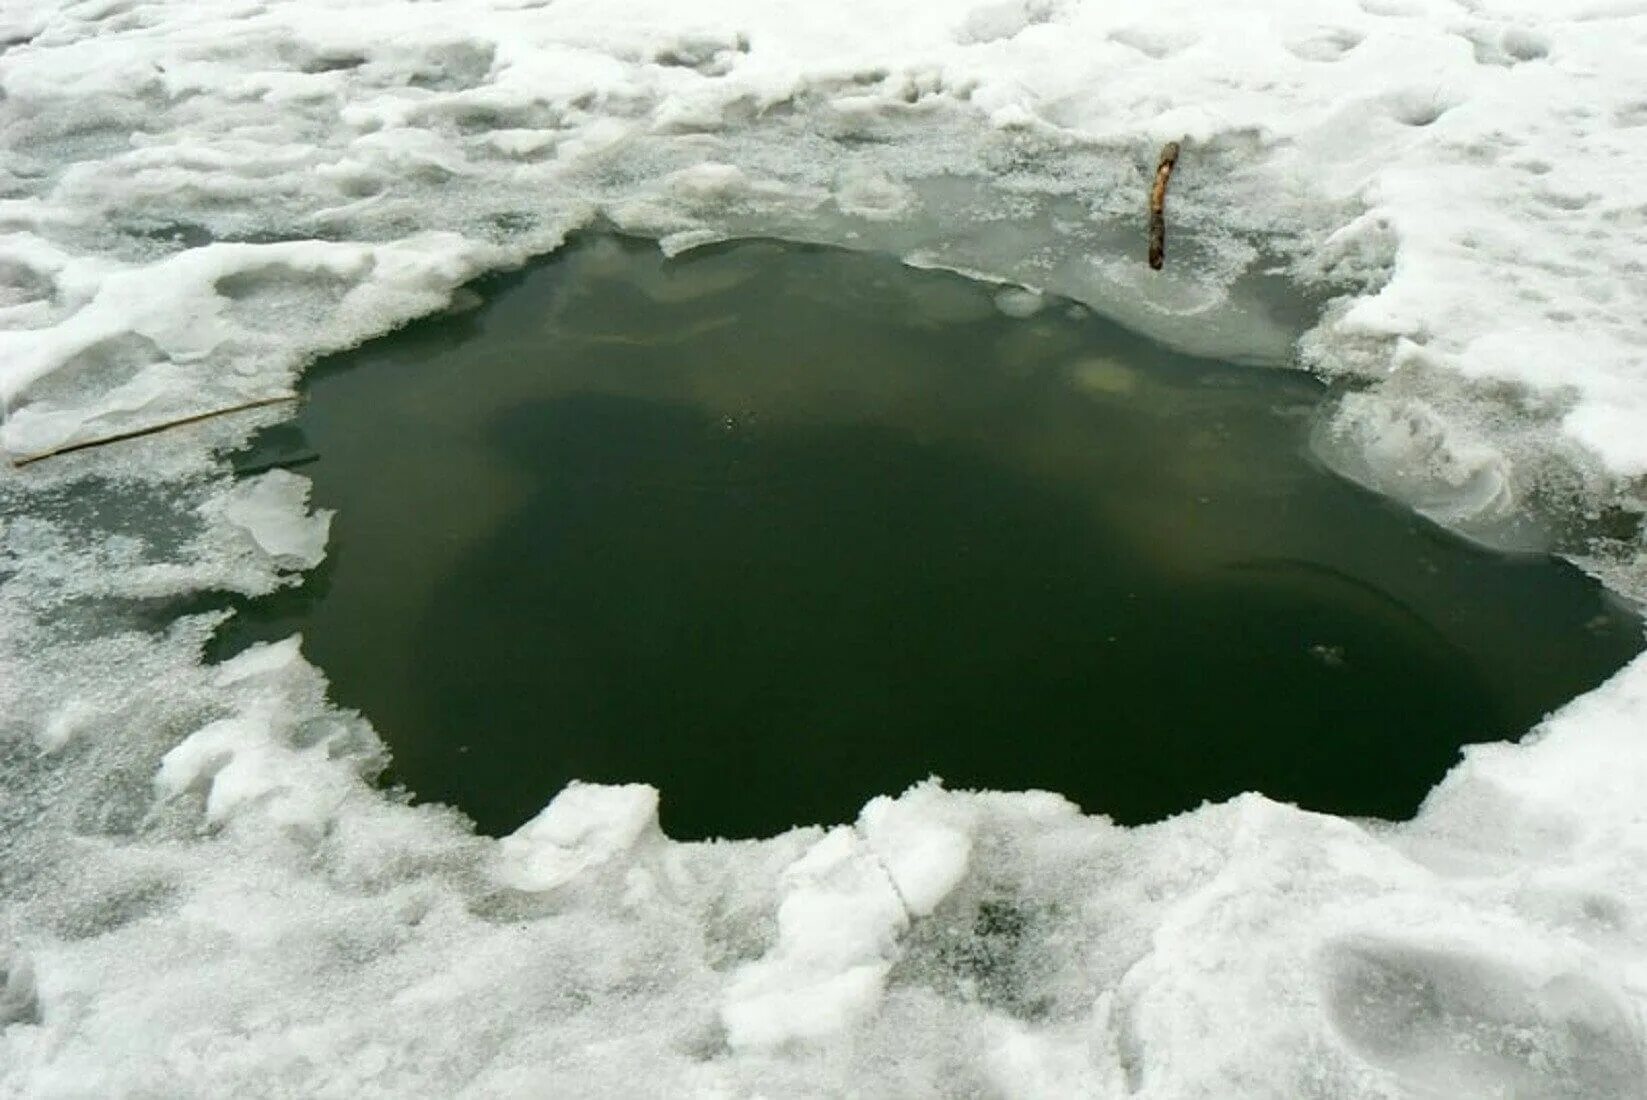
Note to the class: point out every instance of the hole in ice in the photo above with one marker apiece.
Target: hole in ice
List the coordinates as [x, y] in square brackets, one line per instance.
[781, 528]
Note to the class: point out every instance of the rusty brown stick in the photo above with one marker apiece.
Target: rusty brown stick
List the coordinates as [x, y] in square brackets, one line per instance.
[1158, 205]
[137, 433]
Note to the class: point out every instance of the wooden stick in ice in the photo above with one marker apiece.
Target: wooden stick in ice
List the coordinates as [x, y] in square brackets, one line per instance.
[1158, 206]
[137, 433]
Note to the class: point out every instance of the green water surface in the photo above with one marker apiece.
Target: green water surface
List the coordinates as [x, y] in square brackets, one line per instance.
[779, 528]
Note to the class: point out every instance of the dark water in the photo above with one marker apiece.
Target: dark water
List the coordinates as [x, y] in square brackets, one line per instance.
[778, 529]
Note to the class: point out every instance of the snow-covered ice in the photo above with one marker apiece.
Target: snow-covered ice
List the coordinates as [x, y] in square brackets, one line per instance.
[204, 896]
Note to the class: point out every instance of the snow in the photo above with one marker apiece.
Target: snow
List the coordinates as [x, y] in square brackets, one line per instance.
[586, 826]
[205, 896]
[271, 510]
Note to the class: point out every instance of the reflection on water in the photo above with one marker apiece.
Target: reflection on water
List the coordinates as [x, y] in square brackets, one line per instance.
[778, 529]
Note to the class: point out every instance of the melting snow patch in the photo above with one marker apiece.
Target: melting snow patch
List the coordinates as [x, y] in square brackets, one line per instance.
[270, 509]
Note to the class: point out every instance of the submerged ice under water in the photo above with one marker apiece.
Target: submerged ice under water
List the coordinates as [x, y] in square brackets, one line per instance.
[777, 529]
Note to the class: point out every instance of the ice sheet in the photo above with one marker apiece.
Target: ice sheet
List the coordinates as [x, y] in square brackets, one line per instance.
[203, 895]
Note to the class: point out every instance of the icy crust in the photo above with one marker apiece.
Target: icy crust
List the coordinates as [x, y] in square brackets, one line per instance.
[205, 895]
